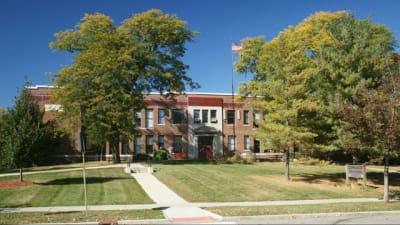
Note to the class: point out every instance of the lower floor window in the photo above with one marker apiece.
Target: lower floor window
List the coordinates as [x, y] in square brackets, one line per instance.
[246, 142]
[125, 147]
[177, 144]
[149, 144]
[231, 143]
[138, 144]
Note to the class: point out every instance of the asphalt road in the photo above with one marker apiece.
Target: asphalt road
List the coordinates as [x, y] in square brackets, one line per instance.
[387, 217]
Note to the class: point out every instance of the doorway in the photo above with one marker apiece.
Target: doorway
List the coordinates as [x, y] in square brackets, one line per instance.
[205, 147]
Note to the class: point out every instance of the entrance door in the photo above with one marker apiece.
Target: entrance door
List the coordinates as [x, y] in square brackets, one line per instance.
[205, 147]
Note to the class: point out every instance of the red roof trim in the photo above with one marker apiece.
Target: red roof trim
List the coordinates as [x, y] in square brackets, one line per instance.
[203, 101]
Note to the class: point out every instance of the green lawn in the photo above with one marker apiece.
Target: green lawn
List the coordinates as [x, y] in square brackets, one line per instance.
[58, 167]
[104, 187]
[202, 182]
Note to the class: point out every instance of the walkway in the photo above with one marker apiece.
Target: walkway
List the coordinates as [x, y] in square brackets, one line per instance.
[176, 209]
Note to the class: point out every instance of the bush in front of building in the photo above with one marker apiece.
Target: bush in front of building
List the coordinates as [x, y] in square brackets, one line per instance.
[160, 155]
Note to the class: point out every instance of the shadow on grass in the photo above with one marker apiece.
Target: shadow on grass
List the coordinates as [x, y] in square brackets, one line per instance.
[377, 178]
[183, 162]
[319, 178]
[373, 177]
[79, 180]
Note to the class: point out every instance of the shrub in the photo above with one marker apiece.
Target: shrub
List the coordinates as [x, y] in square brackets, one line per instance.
[160, 155]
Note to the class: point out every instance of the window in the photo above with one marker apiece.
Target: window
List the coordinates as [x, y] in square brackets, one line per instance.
[204, 115]
[161, 116]
[149, 144]
[231, 143]
[256, 145]
[177, 116]
[213, 116]
[246, 117]
[160, 142]
[231, 116]
[149, 118]
[196, 116]
[246, 142]
[138, 121]
[138, 144]
[177, 144]
[125, 148]
[256, 116]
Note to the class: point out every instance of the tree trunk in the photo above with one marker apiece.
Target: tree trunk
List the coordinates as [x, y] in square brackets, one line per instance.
[20, 175]
[115, 149]
[386, 176]
[287, 165]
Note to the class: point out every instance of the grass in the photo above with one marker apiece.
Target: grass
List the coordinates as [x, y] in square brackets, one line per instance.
[298, 209]
[207, 182]
[105, 186]
[57, 167]
[81, 217]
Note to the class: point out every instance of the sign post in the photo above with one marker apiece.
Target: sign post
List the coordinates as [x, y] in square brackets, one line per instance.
[356, 171]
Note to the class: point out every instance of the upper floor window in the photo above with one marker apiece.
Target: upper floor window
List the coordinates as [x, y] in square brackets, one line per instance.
[138, 116]
[246, 117]
[204, 115]
[161, 116]
[177, 116]
[149, 118]
[230, 116]
[196, 116]
[213, 116]
[256, 116]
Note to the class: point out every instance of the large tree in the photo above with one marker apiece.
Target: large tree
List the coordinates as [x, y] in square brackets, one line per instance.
[115, 66]
[307, 72]
[282, 86]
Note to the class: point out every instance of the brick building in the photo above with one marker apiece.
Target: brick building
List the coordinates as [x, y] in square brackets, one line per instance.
[196, 125]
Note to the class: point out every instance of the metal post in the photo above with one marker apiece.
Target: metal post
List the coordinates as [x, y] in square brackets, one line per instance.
[83, 149]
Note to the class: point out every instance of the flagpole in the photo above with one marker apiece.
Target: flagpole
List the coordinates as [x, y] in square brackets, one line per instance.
[233, 100]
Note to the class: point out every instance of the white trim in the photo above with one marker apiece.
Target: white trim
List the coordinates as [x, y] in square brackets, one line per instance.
[41, 86]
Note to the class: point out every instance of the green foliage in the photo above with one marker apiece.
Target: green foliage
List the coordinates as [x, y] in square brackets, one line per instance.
[25, 140]
[304, 75]
[160, 155]
[115, 66]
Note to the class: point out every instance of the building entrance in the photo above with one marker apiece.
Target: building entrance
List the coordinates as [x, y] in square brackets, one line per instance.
[205, 147]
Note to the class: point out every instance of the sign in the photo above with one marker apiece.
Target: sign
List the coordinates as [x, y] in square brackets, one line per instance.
[356, 171]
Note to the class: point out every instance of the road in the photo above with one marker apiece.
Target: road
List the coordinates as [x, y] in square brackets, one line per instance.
[387, 217]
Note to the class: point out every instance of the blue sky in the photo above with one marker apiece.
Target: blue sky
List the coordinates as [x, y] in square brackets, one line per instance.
[27, 28]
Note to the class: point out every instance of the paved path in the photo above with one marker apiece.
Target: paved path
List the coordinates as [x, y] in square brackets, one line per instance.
[176, 209]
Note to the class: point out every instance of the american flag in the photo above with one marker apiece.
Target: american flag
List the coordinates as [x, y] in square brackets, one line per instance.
[236, 47]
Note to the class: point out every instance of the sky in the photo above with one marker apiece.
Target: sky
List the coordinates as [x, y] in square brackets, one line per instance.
[28, 26]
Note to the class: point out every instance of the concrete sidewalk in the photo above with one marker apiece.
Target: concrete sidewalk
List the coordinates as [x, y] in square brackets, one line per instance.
[176, 209]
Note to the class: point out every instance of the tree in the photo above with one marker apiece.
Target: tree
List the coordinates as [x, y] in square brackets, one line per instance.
[356, 57]
[114, 67]
[25, 139]
[303, 76]
[373, 122]
[282, 89]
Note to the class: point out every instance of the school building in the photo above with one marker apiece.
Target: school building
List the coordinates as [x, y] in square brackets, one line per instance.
[194, 126]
